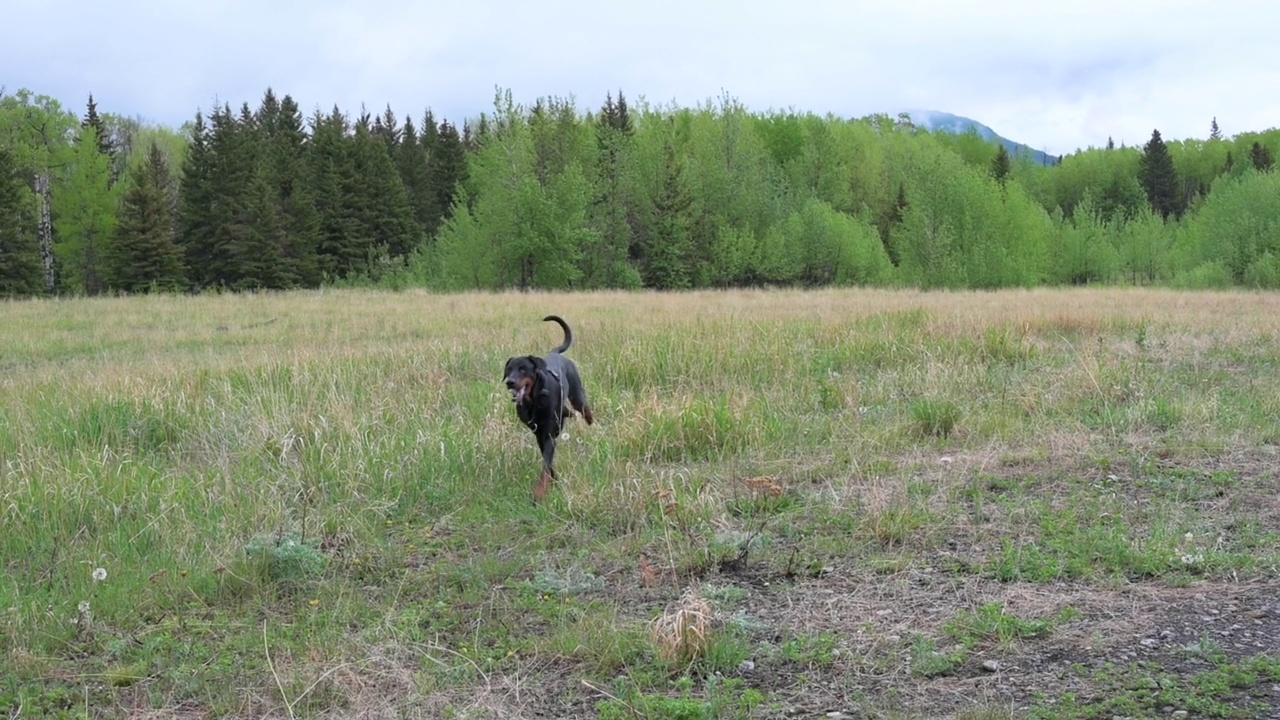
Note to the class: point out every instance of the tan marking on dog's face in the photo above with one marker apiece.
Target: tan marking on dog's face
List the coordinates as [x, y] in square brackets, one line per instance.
[522, 389]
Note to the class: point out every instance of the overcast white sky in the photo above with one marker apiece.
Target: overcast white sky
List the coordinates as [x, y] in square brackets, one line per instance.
[1055, 75]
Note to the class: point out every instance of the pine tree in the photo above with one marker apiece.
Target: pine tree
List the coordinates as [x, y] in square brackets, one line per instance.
[1000, 165]
[1159, 178]
[1214, 132]
[145, 252]
[1261, 156]
[19, 250]
[1111, 144]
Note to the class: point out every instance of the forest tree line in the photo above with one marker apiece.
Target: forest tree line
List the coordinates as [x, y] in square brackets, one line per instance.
[550, 196]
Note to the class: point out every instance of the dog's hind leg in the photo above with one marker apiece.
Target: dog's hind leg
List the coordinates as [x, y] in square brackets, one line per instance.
[578, 399]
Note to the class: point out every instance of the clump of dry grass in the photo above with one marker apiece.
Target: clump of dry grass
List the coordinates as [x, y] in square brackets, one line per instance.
[683, 633]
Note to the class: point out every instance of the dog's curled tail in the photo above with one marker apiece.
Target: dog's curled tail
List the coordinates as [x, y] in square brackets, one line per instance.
[568, 334]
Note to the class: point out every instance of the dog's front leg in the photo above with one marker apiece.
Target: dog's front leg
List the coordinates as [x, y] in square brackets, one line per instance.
[548, 445]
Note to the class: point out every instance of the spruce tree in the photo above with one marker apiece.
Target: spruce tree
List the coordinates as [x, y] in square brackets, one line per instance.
[235, 158]
[670, 248]
[1261, 156]
[378, 201]
[94, 120]
[1159, 178]
[255, 241]
[411, 163]
[19, 251]
[1214, 132]
[145, 252]
[283, 164]
[448, 169]
[606, 261]
[195, 206]
[1000, 165]
[330, 162]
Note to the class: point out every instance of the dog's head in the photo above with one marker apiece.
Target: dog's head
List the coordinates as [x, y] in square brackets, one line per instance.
[521, 375]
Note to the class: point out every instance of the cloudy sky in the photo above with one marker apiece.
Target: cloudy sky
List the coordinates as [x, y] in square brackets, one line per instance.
[1057, 76]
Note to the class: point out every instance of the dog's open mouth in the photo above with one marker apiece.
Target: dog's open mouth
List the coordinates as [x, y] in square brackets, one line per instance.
[518, 392]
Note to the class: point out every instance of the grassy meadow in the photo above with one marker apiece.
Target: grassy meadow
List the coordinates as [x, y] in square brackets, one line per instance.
[886, 504]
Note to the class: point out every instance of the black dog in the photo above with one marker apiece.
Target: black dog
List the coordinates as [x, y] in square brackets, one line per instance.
[544, 390]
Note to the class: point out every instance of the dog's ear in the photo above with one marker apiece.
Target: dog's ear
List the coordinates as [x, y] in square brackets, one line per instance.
[538, 363]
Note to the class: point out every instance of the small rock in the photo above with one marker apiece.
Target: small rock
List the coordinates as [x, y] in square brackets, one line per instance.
[746, 666]
[837, 715]
[990, 665]
[1179, 714]
[1149, 642]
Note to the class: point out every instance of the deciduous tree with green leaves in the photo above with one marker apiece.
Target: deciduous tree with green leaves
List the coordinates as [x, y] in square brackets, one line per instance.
[85, 206]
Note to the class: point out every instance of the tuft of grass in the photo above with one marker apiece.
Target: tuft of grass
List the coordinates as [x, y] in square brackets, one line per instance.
[935, 417]
[683, 634]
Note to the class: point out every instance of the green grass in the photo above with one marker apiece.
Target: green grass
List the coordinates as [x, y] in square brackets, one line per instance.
[330, 512]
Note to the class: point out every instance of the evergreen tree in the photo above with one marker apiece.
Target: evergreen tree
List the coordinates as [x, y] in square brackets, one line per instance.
[145, 252]
[1159, 178]
[1214, 132]
[386, 128]
[94, 120]
[19, 251]
[1000, 165]
[613, 207]
[234, 162]
[411, 163]
[255, 240]
[285, 171]
[447, 170]
[1261, 156]
[892, 221]
[669, 251]
[196, 207]
[379, 201]
[1111, 144]
[330, 163]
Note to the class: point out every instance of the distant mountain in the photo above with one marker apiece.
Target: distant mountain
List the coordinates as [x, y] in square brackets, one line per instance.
[935, 121]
